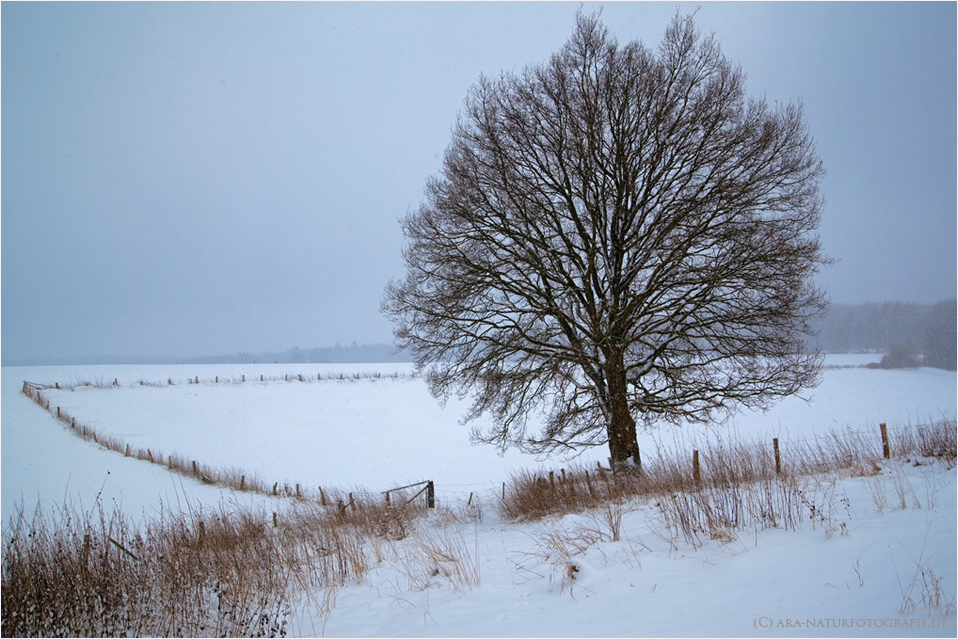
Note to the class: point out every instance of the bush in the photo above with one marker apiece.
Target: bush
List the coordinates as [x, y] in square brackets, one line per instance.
[901, 355]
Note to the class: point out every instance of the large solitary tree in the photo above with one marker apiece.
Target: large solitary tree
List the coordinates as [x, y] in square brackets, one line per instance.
[619, 234]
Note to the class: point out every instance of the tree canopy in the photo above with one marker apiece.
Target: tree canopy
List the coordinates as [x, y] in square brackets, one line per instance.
[617, 234]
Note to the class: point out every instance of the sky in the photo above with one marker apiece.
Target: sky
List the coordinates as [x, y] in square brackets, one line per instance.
[188, 179]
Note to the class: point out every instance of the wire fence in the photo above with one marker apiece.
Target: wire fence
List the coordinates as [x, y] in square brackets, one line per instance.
[799, 454]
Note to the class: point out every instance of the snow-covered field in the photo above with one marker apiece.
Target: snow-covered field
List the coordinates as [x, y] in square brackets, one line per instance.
[385, 431]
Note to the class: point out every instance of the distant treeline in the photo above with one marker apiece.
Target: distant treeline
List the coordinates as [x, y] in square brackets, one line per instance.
[909, 334]
[352, 354]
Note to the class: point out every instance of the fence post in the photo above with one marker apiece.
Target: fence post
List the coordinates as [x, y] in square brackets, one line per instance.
[778, 457]
[430, 495]
[696, 471]
[886, 447]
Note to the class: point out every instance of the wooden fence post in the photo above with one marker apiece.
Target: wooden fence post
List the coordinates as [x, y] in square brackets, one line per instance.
[886, 447]
[778, 457]
[696, 471]
[430, 495]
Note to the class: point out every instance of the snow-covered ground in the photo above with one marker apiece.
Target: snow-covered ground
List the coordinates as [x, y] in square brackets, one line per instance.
[381, 432]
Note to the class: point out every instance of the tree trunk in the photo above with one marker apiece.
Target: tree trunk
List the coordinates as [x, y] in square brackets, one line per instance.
[623, 444]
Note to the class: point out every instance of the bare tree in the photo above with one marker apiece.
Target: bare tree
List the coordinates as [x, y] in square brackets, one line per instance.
[616, 234]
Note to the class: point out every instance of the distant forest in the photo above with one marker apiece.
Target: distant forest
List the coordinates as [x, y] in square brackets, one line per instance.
[354, 353]
[910, 335]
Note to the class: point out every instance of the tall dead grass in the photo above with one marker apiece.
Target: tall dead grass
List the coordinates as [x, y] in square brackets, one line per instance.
[97, 574]
[724, 471]
[234, 571]
[237, 570]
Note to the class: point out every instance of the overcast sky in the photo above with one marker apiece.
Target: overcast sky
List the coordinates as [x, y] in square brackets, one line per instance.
[184, 179]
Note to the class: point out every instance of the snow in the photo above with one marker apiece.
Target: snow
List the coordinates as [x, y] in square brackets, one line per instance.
[382, 431]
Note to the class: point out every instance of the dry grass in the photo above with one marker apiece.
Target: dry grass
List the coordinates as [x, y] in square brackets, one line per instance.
[737, 487]
[735, 482]
[236, 571]
[96, 574]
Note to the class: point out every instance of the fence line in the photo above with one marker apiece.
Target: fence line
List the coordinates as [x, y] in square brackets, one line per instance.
[208, 475]
[192, 468]
[242, 379]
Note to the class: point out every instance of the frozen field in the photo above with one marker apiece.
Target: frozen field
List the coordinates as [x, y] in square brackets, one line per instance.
[371, 432]
[383, 431]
